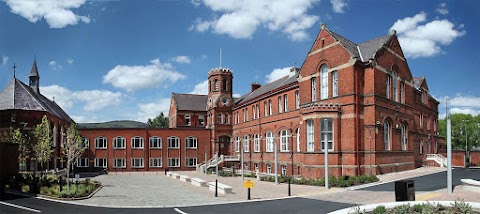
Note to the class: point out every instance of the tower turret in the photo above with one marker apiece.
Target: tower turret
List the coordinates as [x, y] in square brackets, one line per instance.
[34, 78]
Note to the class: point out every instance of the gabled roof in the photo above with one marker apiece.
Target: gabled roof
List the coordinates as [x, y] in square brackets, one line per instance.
[349, 45]
[118, 124]
[190, 102]
[418, 81]
[17, 95]
[369, 48]
[286, 80]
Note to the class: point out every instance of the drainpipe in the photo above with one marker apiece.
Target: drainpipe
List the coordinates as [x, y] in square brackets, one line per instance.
[357, 121]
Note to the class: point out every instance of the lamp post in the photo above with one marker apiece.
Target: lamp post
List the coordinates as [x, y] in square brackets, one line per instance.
[276, 160]
[466, 141]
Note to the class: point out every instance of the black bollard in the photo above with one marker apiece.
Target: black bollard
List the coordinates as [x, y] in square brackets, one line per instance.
[60, 181]
[165, 171]
[216, 188]
[289, 190]
[248, 194]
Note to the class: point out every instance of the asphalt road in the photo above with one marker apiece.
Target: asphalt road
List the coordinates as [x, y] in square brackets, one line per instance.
[291, 205]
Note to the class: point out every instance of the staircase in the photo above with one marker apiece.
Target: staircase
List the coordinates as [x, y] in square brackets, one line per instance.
[211, 163]
[442, 161]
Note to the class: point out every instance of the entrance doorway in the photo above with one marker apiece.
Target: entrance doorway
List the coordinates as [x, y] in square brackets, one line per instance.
[223, 145]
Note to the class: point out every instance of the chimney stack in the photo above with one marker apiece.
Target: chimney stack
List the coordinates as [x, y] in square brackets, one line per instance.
[255, 86]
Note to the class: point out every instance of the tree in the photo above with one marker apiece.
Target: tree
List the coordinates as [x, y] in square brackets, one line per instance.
[43, 136]
[465, 130]
[72, 148]
[161, 121]
[24, 149]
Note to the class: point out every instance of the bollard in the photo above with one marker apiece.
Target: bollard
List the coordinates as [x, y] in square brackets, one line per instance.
[60, 181]
[248, 194]
[165, 171]
[216, 187]
[289, 190]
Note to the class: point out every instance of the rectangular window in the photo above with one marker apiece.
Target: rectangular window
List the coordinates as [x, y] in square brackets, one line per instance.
[119, 163]
[220, 118]
[137, 162]
[82, 162]
[254, 111]
[227, 119]
[256, 143]
[201, 120]
[85, 142]
[285, 103]
[269, 107]
[297, 99]
[237, 144]
[100, 143]
[246, 144]
[137, 143]
[314, 89]
[246, 113]
[191, 162]
[100, 162]
[173, 142]
[119, 143]
[280, 108]
[269, 169]
[155, 142]
[155, 162]
[324, 85]
[187, 120]
[284, 170]
[428, 123]
[258, 111]
[298, 139]
[421, 146]
[310, 136]
[174, 162]
[402, 92]
[334, 83]
[191, 143]
[326, 134]
[284, 141]
[388, 87]
[269, 142]
[22, 166]
[421, 120]
[265, 109]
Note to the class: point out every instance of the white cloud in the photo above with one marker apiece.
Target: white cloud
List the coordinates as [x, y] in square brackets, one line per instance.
[70, 61]
[57, 13]
[195, 3]
[424, 40]
[200, 88]
[55, 66]
[151, 110]
[442, 9]
[137, 77]
[85, 119]
[277, 73]
[338, 5]
[461, 104]
[4, 60]
[93, 100]
[182, 59]
[203, 57]
[241, 18]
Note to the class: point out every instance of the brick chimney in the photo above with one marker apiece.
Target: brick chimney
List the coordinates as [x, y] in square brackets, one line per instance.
[255, 86]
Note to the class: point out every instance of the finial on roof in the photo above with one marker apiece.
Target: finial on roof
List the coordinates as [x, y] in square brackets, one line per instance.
[393, 32]
[323, 26]
[14, 70]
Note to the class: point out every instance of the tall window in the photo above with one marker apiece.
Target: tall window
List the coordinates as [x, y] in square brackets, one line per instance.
[224, 84]
[402, 92]
[237, 144]
[421, 120]
[314, 89]
[100, 143]
[334, 83]
[269, 107]
[326, 134]
[284, 170]
[435, 148]
[137, 142]
[216, 85]
[324, 83]
[173, 142]
[269, 142]
[119, 163]
[428, 123]
[256, 143]
[155, 142]
[280, 108]
[388, 86]
[246, 113]
[191, 142]
[310, 136]
[258, 110]
[137, 162]
[285, 103]
[85, 142]
[227, 119]
[119, 143]
[298, 139]
[155, 162]
[254, 111]
[394, 85]
[187, 120]
[284, 141]
[404, 137]
[201, 120]
[265, 108]
[297, 99]
[269, 169]
[421, 146]
[220, 118]
[386, 135]
[246, 143]
[174, 162]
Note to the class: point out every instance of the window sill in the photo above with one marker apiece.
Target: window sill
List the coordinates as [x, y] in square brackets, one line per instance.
[120, 167]
[173, 147]
[174, 166]
[155, 147]
[137, 148]
[119, 148]
[137, 167]
[101, 148]
[155, 166]
[191, 147]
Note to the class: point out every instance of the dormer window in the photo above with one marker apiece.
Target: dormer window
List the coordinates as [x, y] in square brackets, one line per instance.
[187, 120]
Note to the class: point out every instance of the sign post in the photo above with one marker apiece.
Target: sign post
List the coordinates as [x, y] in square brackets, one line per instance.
[248, 184]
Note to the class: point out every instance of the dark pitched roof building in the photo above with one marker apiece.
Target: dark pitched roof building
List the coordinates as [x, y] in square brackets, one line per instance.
[190, 102]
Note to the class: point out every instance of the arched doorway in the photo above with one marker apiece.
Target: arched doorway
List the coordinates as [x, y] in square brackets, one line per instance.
[224, 145]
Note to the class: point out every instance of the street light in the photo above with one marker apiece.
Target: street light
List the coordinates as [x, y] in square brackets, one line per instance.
[466, 141]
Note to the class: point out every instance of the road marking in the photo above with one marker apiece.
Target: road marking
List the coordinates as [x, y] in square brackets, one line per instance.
[20, 207]
[179, 211]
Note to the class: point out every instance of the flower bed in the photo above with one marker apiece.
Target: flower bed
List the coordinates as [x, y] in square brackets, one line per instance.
[340, 181]
[420, 207]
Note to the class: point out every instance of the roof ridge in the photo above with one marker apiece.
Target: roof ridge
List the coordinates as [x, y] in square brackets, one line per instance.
[190, 94]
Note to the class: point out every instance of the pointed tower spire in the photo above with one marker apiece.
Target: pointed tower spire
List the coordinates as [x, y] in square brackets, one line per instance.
[34, 77]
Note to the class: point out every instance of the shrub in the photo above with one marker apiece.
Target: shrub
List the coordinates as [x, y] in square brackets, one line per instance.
[379, 210]
[25, 188]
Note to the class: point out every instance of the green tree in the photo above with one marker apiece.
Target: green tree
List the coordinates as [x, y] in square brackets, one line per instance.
[43, 136]
[161, 121]
[24, 148]
[72, 148]
[465, 129]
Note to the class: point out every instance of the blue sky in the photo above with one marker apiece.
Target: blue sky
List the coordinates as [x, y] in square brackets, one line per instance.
[112, 60]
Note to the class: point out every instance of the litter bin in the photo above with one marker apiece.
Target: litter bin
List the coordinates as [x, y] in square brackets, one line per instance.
[405, 190]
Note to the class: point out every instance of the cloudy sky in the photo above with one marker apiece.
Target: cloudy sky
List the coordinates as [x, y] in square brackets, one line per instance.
[112, 60]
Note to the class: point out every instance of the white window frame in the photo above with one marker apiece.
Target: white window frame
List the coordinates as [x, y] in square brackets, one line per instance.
[191, 162]
[314, 88]
[265, 109]
[119, 163]
[104, 142]
[395, 85]
[141, 142]
[227, 119]
[191, 142]
[220, 118]
[284, 170]
[269, 169]
[387, 138]
[310, 135]
[334, 83]
[298, 139]
[403, 137]
[155, 142]
[421, 120]
[327, 134]
[254, 111]
[237, 144]
[188, 120]
[155, 162]
[324, 82]
[173, 142]
[270, 107]
[100, 164]
[269, 142]
[285, 103]
[246, 113]
[119, 142]
[256, 143]
[174, 162]
[83, 163]
[402, 92]
[388, 86]
[258, 110]
[297, 99]
[280, 104]
[137, 163]
[246, 143]
[284, 147]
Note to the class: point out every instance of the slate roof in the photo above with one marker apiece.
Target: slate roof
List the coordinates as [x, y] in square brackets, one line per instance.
[118, 124]
[286, 80]
[190, 102]
[417, 82]
[17, 95]
[349, 45]
[34, 71]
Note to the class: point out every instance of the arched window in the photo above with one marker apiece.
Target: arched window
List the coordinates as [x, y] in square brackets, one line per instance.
[227, 119]
[254, 110]
[297, 99]
[284, 141]
[269, 142]
[269, 107]
[256, 143]
[388, 86]
[314, 89]
[310, 136]
[324, 83]
[246, 143]
[298, 139]
[285, 103]
[386, 135]
[216, 85]
[220, 118]
[404, 137]
[237, 144]
[224, 85]
[101, 142]
[265, 108]
[119, 142]
[394, 85]
[155, 142]
[334, 84]
[173, 142]
[191, 142]
[280, 108]
[137, 142]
